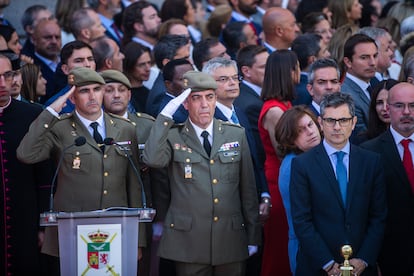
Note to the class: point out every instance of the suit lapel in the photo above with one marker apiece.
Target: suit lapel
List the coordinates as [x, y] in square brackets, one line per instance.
[326, 167]
[358, 89]
[111, 128]
[355, 166]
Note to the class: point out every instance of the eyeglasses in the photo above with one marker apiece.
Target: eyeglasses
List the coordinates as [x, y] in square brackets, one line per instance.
[401, 106]
[8, 76]
[225, 79]
[343, 122]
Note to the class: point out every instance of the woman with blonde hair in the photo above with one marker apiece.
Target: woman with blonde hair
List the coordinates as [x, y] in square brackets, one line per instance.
[345, 12]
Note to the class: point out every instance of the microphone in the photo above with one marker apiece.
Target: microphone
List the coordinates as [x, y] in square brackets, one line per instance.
[109, 142]
[78, 142]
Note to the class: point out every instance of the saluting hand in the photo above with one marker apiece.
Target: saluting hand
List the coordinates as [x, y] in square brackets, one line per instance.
[60, 103]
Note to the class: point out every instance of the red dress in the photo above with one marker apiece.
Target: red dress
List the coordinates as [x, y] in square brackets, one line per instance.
[275, 250]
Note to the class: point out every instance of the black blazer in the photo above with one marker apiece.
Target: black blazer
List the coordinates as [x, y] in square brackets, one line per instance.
[49, 75]
[321, 221]
[397, 254]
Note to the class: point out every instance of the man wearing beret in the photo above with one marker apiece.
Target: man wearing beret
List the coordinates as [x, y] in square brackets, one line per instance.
[117, 94]
[213, 218]
[93, 175]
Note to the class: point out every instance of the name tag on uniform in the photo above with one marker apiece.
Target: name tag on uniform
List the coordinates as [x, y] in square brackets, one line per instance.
[187, 172]
[231, 153]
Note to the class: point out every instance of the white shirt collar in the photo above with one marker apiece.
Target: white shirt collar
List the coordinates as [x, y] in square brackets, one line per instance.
[50, 63]
[198, 130]
[331, 150]
[362, 84]
[143, 42]
[267, 45]
[226, 110]
[253, 86]
[239, 17]
[86, 123]
[316, 106]
[2, 108]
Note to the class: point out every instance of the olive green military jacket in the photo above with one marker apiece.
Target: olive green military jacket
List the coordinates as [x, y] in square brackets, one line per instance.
[88, 179]
[213, 214]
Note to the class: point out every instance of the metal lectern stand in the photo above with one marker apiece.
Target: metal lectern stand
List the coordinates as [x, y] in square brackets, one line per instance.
[102, 242]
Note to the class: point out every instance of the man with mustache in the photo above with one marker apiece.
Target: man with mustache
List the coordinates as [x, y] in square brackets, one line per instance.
[360, 59]
[396, 148]
[92, 176]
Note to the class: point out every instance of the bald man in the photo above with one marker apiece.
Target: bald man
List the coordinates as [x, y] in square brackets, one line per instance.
[279, 28]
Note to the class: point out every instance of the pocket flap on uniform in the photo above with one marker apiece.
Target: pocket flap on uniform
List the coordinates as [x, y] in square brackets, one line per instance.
[179, 222]
[229, 156]
[238, 222]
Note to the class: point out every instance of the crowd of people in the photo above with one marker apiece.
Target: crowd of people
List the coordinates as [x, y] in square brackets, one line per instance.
[267, 134]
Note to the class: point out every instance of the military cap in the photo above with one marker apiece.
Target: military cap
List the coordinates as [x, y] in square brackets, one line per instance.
[115, 76]
[198, 81]
[82, 76]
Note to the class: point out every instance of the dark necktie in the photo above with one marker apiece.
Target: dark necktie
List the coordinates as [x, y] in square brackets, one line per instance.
[408, 162]
[369, 89]
[341, 174]
[97, 136]
[117, 32]
[206, 143]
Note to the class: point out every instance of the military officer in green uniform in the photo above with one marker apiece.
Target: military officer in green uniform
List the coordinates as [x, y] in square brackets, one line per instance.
[92, 176]
[213, 217]
[117, 95]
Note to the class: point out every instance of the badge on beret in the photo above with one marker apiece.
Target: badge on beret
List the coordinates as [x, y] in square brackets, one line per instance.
[185, 82]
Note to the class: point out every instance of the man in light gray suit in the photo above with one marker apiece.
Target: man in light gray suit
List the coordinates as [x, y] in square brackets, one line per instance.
[360, 59]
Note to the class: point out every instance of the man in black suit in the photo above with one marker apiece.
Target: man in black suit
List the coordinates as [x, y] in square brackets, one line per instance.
[251, 62]
[323, 79]
[337, 195]
[397, 255]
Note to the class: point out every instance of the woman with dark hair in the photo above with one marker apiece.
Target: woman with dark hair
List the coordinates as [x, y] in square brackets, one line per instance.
[378, 114]
[11, 37]
[297, 131]
[318, 23]
[137, 66]
[33, 83]
[282, 72]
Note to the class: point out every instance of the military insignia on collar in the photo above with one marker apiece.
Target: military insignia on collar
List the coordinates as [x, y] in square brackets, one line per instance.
[73, 133]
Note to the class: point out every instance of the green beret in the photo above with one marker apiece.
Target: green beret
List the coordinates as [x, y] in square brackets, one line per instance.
[82, 76]
[115, 76]
[198, 81]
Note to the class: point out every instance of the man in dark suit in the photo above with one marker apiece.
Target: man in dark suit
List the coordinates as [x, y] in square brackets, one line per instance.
[360, 59]
[92, 176]
[47, 43]
[323, 79]
[397, 255]
[251, 62]
[338, 197]
[213, 218]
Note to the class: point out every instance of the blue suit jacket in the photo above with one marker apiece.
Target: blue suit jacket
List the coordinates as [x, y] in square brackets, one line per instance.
[361, 104]
[397, 255]
[311, 107]
[155, 96]
[261, 183]
[180, 115]
[302, 94]
[321, 221]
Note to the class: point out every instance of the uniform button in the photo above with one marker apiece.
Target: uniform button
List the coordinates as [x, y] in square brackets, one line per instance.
[216, 219]
[106, 173]
[105, 192]
[232, 159]
[172, 225]
[165, 123]
[105, 156]
[46, 125]
[215, 181]
[187, 160]
[216, 200]
[212, 162]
